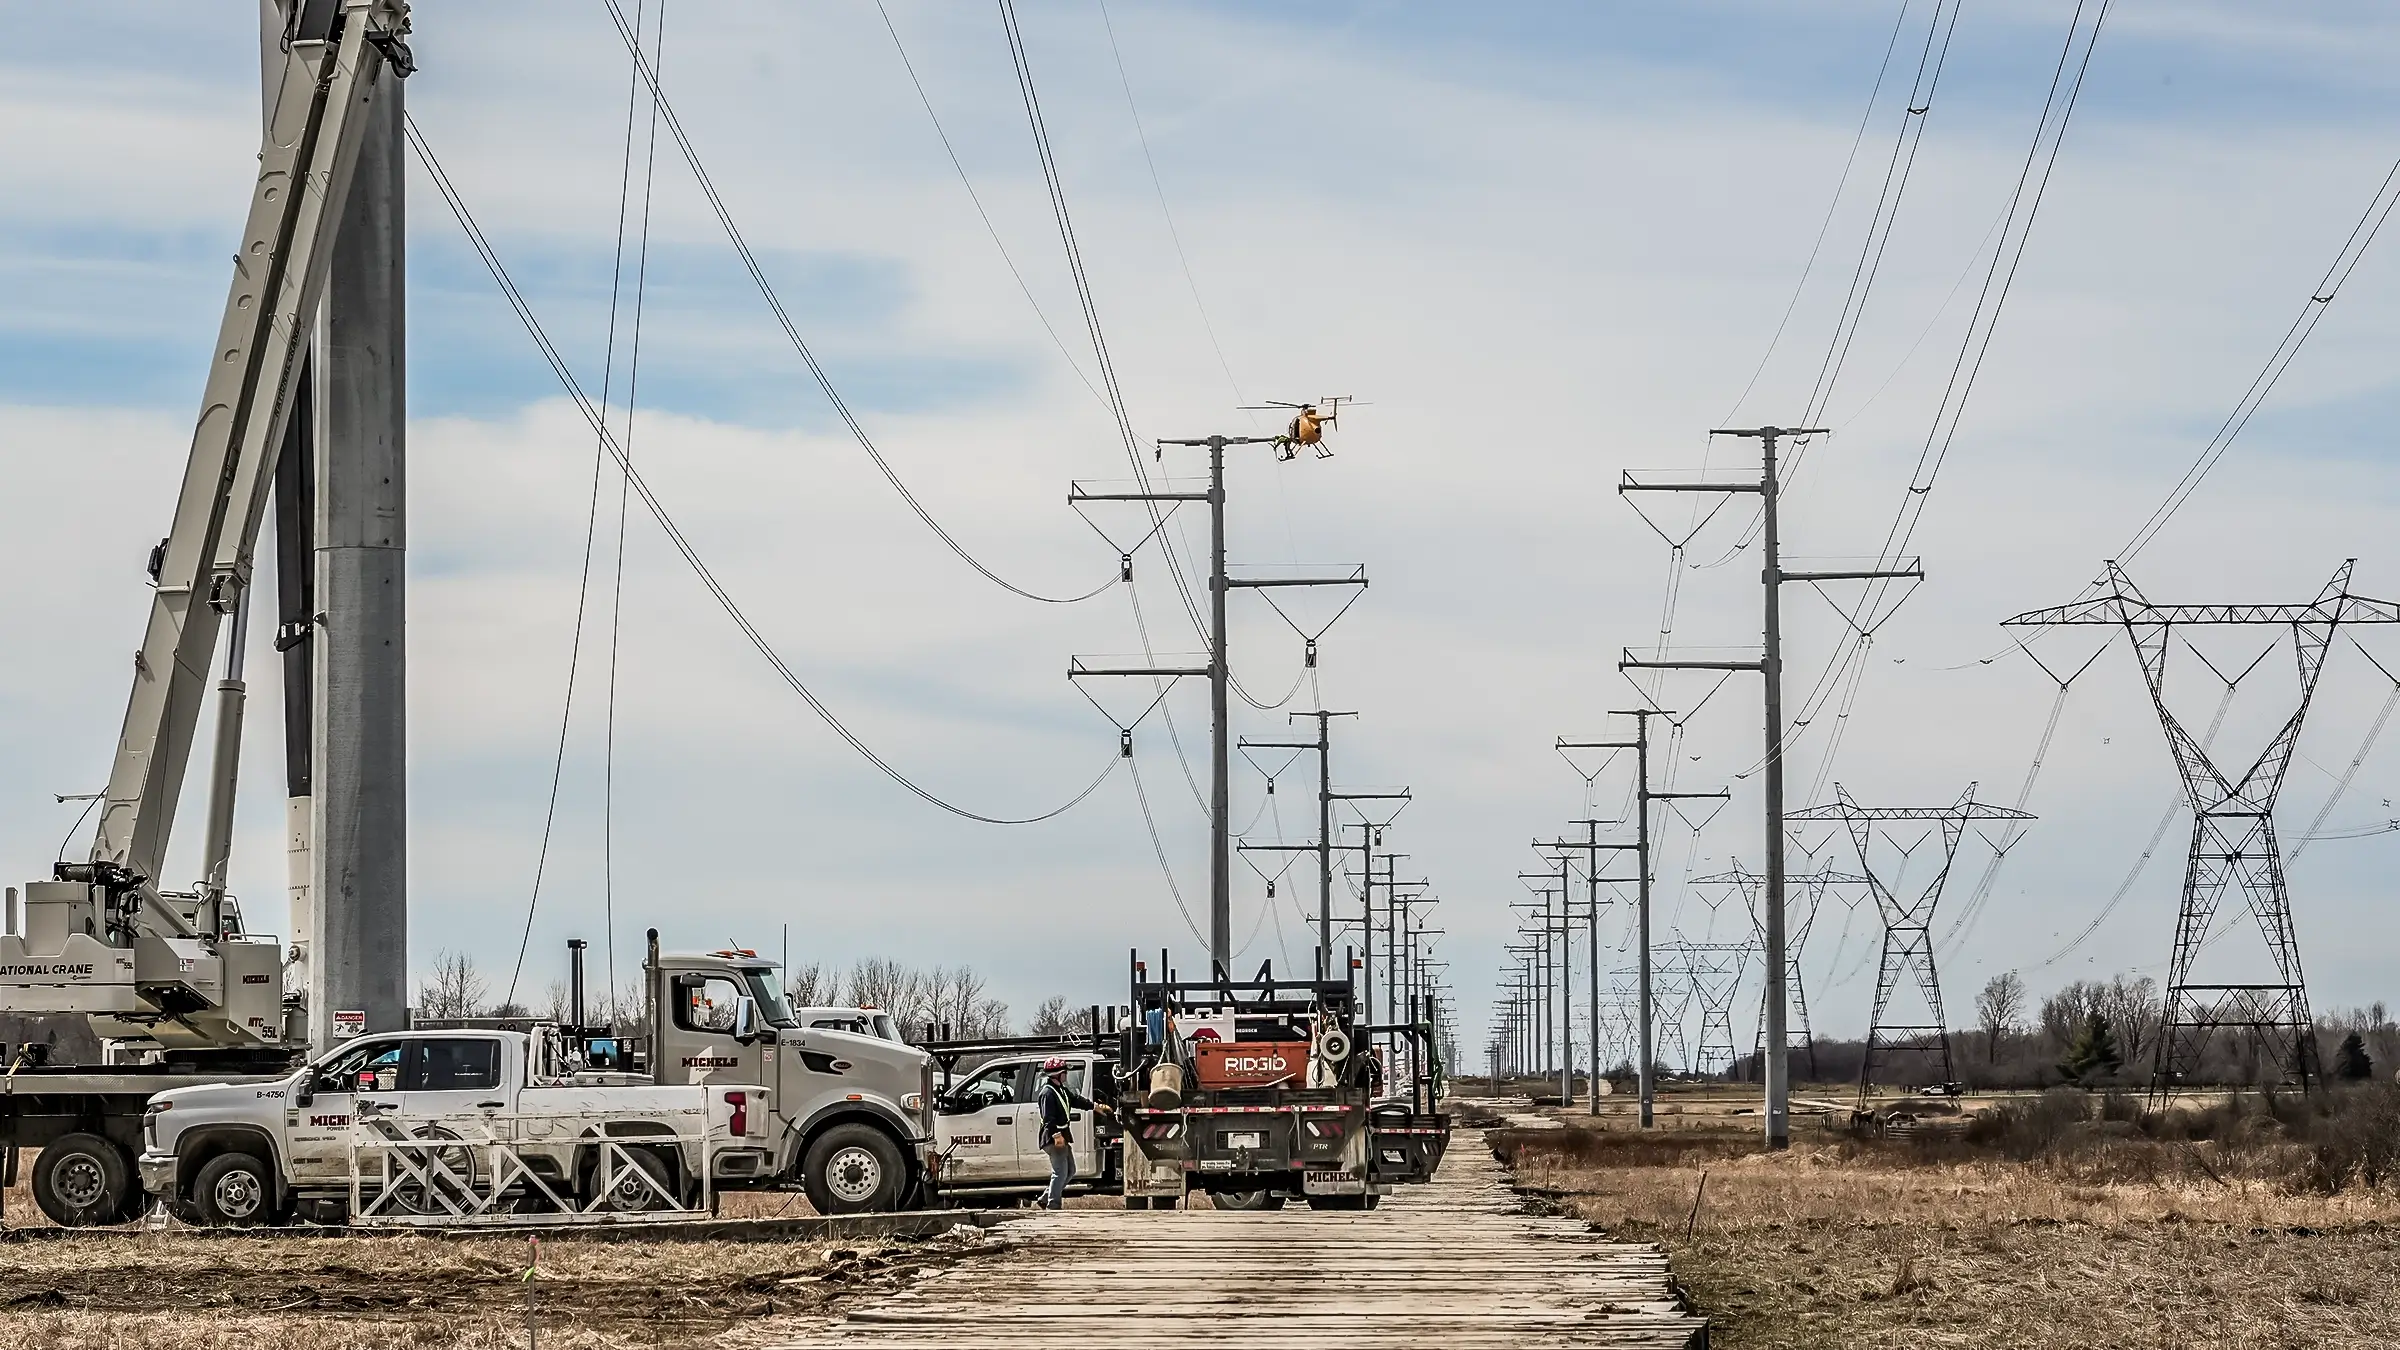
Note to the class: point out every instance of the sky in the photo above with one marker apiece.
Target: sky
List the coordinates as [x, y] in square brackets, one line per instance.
[1540, 245]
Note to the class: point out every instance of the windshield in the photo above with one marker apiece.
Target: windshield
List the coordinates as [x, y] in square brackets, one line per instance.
[772, 1010]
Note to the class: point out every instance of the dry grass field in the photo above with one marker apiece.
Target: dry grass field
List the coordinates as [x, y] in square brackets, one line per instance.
[2091, 1234]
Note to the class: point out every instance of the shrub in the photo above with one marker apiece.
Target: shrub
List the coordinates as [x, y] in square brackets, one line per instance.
[2356, 1142]
[2032, 1128]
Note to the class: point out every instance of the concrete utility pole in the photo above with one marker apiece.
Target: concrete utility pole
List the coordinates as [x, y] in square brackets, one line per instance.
[1768, 487]
[1643, 795]
[1219, 669]
[347, 811]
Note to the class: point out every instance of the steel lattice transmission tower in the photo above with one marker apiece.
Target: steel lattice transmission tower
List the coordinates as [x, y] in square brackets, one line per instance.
[2233, 820]
[1812, 887]
[1714, 971]
[1907, 919]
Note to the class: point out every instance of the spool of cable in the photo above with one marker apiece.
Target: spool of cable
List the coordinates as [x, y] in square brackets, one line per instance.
[1334, 1047]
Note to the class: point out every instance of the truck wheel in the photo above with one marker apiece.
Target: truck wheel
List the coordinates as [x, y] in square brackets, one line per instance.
[233, 1190]
[854, 1169]
[634, 1192]
[82, 1180]
[1260, 1199]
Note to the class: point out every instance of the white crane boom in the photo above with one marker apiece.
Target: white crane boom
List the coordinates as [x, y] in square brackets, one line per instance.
[100, 938]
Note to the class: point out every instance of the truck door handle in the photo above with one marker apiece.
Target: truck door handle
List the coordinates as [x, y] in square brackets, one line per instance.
[489, 1106]
[1002, 1120]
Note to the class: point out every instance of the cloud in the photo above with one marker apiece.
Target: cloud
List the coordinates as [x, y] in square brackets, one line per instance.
[1542, 250]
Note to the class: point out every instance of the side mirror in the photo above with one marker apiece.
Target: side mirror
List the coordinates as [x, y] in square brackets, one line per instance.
[745, 1018]
[303, 1097]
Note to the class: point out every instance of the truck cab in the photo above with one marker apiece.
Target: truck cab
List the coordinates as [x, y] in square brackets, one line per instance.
[854, 1111]
[252, 1152]
[988, 1121]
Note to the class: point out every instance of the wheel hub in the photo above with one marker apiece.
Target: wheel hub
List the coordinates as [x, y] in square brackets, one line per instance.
[854, 1175]
[237, 1195]
[81, 1182]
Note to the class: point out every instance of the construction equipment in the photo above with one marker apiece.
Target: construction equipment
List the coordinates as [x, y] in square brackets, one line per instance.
[172, 981]
[1252, 1091]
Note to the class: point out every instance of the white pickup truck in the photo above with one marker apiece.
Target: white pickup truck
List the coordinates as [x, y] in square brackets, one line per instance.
[257, 1152]
[989, 1126]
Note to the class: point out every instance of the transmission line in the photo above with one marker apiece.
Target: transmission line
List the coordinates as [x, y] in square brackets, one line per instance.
[791, 332]
[683, 546]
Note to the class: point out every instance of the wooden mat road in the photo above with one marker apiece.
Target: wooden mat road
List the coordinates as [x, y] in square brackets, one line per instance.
[1452, 1264]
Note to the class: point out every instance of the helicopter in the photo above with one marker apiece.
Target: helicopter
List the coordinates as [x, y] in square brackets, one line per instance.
[1310, 422]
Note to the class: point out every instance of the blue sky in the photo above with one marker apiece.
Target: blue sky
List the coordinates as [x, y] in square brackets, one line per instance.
[1544, 242]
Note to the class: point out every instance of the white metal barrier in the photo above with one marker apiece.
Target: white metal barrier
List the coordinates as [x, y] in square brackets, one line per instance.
[466, 1171]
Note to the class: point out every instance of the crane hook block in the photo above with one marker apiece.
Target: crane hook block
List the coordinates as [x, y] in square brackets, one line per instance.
[1124, 567]
[1308, 654]
[1125, 743]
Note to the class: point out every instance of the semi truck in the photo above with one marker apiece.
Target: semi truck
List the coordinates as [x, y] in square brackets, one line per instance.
[854, 1112]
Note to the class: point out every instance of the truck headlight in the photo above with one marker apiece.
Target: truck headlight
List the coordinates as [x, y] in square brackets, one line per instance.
[914, 1101]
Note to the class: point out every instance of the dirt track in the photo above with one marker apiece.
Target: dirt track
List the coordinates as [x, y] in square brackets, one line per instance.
[183, 1290]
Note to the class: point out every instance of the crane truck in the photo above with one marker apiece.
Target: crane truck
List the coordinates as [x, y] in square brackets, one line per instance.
[181, 993]
[174, 983]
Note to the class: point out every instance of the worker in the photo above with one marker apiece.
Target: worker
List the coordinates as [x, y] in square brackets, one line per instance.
[1058, 1103]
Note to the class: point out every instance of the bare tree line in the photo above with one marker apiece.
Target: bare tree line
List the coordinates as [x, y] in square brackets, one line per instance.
[955, 997]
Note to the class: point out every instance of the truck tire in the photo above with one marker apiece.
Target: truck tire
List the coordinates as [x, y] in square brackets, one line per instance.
[854, 1169]
[1259, 1199]
[82, 1180]
[632, 1194]
[234, 1190]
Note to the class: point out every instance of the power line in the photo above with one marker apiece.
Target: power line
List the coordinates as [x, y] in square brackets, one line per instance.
[658, 512]
[2320, 298]
[633, 378]
[1982, 324]
[1840, 186]
[791, 332]
[972, 195]
[583, 585]
[1143, 136]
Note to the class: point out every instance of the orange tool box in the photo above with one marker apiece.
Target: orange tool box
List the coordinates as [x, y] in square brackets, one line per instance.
[1250, 1064]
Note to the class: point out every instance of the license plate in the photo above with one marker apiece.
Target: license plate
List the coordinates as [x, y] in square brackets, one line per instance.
[1216, 1164]
[1247, 1139]
[1332, 1183]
